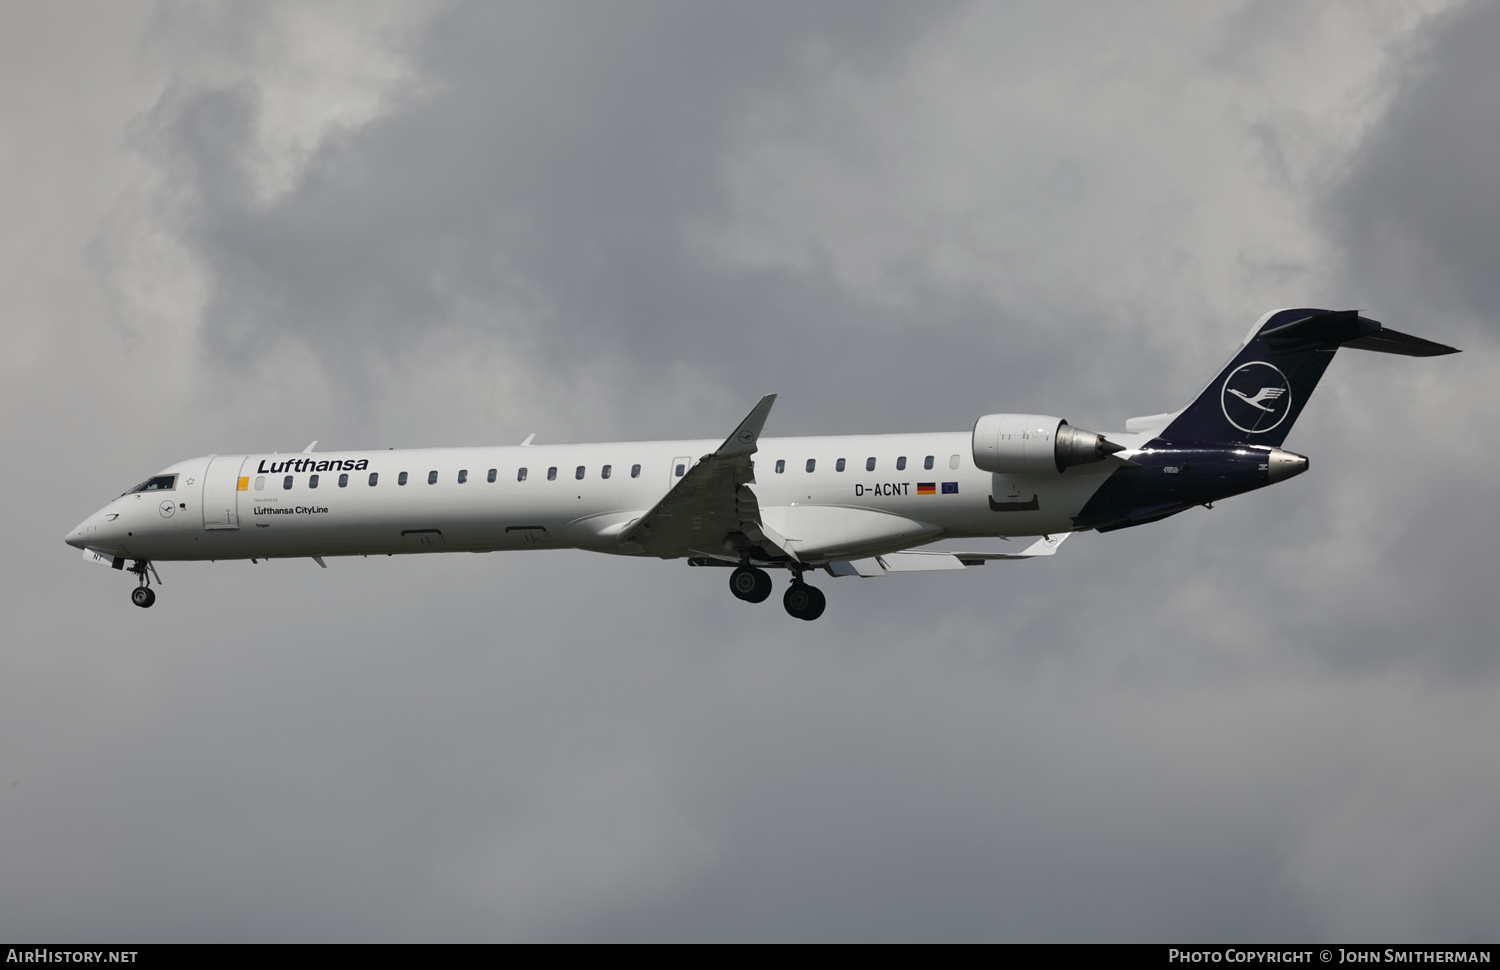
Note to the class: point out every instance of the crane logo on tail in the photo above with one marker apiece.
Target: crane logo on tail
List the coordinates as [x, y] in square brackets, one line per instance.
[1256, 397]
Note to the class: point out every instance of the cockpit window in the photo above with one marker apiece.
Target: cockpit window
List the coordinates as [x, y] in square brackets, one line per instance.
[161, 483]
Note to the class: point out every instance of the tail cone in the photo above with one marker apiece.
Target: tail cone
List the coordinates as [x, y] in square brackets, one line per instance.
[1281, 465]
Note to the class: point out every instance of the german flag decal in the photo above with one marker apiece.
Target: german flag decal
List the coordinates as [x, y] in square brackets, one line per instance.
[926, 488]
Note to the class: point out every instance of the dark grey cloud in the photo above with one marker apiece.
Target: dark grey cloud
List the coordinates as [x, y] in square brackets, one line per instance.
[549, 186]
[1418, 213]
[1415, 214]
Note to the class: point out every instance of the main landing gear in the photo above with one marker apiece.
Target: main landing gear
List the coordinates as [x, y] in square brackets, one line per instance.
[803, 601]
[750, 584]
[753, 585]
[143, 595]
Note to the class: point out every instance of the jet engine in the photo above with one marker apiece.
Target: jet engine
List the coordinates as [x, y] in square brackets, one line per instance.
[1035, 444]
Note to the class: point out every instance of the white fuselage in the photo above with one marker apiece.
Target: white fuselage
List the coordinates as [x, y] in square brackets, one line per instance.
[557, 496]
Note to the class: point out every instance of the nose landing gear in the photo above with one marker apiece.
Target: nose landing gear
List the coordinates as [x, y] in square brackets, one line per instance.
[143, 595]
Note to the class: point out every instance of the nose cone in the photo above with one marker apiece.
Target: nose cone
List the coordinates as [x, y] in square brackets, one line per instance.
[76, 537]
[1282, 465]
[98, 531]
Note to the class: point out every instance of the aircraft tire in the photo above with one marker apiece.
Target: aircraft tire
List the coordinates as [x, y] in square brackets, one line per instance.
[750, 584]
[804, 602]
[143, 596]
[742, 582]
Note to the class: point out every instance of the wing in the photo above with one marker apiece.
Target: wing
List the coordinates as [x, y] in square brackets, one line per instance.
[915, 560]
[709, 502]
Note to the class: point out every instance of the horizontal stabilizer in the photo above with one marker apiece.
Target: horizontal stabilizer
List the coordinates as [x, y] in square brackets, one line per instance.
[1388, 341]
[1346, 328]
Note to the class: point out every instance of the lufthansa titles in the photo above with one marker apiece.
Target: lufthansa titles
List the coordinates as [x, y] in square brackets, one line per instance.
[313, 465]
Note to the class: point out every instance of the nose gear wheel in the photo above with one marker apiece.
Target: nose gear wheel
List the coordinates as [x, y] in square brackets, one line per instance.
[143, 595]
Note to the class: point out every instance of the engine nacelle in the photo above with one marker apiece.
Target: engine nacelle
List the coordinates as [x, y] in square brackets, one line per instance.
[1035, 444]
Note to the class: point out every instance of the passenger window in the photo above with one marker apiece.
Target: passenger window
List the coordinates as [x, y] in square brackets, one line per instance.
[838, 466]
[927, 463]
[869, 464]
[680, 470]
[463, 475]
[496, 471]
[901, 464]
[312, 481]
[520, 475]
[604, 472]
[432, 478]
[812, 463]
[780, 466]
[635, 471]
[286, 482]
[401, 479]
[343, 481]
[260, 483]
[578, 473]
[374, 477]
[953, 462]
[552, 474]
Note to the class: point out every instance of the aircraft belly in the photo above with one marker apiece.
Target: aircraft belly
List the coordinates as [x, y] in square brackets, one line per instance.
[815, 532]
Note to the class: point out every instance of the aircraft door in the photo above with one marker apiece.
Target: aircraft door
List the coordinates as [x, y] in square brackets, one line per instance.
[679, 468]
[222, 486]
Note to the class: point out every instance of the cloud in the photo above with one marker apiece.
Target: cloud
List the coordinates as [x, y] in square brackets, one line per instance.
[1416, 211]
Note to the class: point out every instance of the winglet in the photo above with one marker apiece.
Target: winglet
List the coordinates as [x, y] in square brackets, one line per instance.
[1045, 546]
[744, 438]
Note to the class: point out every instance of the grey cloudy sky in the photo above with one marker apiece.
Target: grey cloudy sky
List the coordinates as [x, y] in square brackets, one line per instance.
[232, 227]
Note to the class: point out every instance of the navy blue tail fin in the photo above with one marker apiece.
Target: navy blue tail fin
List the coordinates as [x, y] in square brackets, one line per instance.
[1256, 398]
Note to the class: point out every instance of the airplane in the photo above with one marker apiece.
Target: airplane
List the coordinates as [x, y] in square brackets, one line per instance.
[861, 505]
